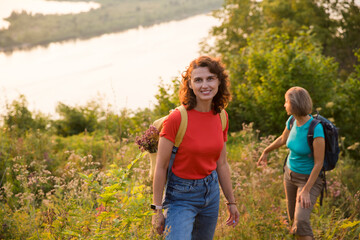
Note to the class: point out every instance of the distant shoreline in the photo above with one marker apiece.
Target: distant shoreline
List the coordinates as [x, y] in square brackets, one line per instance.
[27, 31]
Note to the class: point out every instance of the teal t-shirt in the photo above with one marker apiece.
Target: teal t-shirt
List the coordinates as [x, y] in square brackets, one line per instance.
[300, 159]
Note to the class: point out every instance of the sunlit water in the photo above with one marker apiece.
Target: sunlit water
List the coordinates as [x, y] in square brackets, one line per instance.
[43, 7]
[124, 68]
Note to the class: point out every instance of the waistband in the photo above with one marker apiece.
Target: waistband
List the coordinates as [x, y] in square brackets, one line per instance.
[212, 176]
[287, 169]
[292, 173]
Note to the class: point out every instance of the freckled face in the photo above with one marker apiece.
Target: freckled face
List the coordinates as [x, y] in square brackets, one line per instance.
[204, 84]
[287, 106]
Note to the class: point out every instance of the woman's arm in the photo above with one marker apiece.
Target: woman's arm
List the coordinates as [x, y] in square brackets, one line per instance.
[280, 141]
[223, 171]
[319, 154]
[162, 163]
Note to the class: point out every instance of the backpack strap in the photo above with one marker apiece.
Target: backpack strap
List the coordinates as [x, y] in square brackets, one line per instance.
[223, 119]
[182, 128]
[310, 135]
[178, 139]
[310, 140]
[158, 123]
[292, 120]
[183, 125]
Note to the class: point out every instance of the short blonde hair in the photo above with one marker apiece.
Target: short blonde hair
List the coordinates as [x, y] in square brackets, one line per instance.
[300, 101]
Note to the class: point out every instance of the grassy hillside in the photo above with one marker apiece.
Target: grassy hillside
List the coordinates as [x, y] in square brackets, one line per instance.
[95, 187]
[27, 30]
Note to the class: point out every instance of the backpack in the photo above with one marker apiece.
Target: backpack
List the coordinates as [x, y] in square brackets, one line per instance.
[332, 149]
[331, 133]
[180, 134]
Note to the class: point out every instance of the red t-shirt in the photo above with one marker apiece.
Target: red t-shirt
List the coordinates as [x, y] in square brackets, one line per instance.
[202, 143]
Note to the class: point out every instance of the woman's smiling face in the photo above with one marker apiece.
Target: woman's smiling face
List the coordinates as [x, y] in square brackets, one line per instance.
[204, 84]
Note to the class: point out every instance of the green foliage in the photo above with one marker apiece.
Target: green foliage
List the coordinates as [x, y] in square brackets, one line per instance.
[19, 118]
[74, 120]
[167, 98]
[334, 24]
[81, 201]
[119, 202]
[346, 109]
[86, 119]
[266, 68]
[266, 52]
[29, 30]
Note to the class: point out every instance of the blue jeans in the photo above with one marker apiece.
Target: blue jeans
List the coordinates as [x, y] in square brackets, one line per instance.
[191, 207]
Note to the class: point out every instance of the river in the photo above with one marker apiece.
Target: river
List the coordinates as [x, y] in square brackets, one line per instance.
[123, 69]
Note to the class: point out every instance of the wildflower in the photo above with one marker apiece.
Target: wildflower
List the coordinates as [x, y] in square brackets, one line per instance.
[100, 209]
[335, 188]
[149, 140]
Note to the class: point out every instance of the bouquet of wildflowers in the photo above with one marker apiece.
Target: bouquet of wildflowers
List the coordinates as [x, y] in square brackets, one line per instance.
[149, 140]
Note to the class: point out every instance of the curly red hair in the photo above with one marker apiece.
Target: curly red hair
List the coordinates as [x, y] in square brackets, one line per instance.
[221, 99]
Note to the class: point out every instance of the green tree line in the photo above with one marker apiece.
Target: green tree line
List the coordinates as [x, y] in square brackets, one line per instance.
[271, 45]
[29, 30]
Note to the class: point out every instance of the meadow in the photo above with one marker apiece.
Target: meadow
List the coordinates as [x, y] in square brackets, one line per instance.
[96, 186]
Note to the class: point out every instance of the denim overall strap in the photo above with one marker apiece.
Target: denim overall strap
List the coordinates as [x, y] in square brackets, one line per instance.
[172, 158]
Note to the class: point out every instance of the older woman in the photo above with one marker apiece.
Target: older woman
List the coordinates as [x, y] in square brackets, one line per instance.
[301, 178]
[192, 196]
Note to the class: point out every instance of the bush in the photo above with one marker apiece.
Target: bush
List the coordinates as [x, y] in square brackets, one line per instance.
[19, 119]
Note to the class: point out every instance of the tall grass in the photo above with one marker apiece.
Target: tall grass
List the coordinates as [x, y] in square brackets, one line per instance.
[91, 186]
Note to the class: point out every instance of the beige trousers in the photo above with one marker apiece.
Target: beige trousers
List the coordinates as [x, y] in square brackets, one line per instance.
[300, 217]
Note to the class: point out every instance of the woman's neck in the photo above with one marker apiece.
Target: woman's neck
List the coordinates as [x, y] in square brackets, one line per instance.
[301, 120]
[203, 106]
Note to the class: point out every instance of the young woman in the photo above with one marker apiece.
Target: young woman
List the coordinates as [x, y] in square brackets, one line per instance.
[192, 196]
[301, 178]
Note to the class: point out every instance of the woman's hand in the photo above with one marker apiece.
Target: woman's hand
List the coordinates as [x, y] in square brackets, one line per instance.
[263, 159]
[233, 219]
[304, 198]
[158, 222]
[280, 141]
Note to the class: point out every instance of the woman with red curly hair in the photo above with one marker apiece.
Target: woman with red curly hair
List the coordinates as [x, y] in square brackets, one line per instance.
[192, 195]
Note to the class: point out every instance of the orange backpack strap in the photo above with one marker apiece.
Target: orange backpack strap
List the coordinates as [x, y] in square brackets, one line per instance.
[182, 128]
[223, 119]
[158, 123]
[183, 125]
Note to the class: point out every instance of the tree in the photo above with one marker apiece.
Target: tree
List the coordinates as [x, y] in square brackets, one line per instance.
[346, 107]
[269, 65]
[345, 41]
[335, 24]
